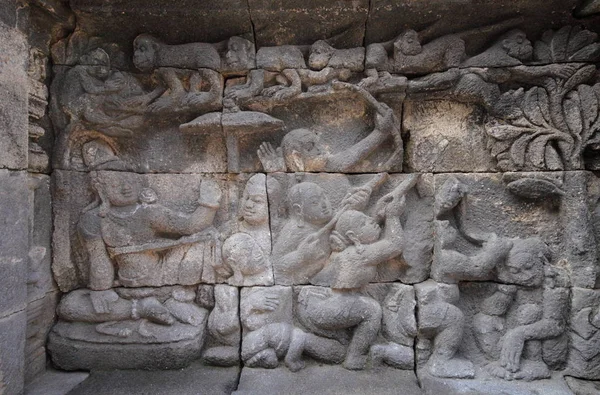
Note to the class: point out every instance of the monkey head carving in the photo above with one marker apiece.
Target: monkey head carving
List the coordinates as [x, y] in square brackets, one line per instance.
[408, 43]
[145, 49]
[516, 45]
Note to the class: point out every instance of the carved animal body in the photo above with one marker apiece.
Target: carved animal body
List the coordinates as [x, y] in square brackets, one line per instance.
[411, 57]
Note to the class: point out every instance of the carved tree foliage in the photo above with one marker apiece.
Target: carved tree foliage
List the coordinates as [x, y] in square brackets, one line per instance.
[550, 125]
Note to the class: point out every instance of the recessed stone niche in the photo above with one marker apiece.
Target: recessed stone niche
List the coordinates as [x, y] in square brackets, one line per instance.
[336, 197]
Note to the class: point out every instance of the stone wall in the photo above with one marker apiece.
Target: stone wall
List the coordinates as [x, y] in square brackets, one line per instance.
[410, 203]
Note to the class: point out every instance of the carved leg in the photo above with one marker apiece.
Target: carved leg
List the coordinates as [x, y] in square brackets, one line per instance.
[446, 343]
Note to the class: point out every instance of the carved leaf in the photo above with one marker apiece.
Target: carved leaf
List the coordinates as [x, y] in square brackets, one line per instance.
[534, 188]
[499, 147]
[582, 75]
[537, 151]
[542, 154]
[568, 44]
[571, 109]
[589, 104]
[519, 149]
[560, 44]
[536, 106]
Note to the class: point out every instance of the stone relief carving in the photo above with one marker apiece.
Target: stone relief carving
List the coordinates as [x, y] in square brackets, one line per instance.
[462, 277]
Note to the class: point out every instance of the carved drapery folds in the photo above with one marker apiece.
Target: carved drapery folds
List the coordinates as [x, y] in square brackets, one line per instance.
[407, 205]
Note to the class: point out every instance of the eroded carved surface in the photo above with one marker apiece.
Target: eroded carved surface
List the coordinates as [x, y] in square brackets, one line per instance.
[281, 231]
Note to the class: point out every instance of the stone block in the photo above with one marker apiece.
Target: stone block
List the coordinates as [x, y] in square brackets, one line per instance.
[321, 130]
[41, 315]
[445, 136]
[324, 379]
[12, 344]
[192, 380]
[275, 25]
[14, 245]
[13, 96]
[39, 280]
[144, 125]
[584, 355]
[55, 382]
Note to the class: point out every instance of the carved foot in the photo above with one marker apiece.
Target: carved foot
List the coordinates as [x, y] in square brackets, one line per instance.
[265, 359]
[153, 310]
[355, 362]
[294, 364]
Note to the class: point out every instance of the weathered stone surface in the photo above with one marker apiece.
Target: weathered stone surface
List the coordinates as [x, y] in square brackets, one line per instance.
[325, 379]
[192, 380]
[12, 344]
[122, 22]
[276, 24]
[584, 356]
[13, 96]
[433, 385]
[14, 245]
[55, 382]
[442, 135]
[279, 232]
[41, 315]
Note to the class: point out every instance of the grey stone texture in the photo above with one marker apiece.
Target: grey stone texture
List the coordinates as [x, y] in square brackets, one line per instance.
[12, 346]
[13, 96]
[14, 246]
[195, 379]
[321, 378]
[292, 197]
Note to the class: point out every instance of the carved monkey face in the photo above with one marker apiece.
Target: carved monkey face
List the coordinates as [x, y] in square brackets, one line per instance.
[517, 45]
[320, 53]
[408, 43]
[523, 267]
[144, 52]
[237, 56]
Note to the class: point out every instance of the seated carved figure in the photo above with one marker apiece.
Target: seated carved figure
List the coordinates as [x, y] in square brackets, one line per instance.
[133, 239]
[441, 327]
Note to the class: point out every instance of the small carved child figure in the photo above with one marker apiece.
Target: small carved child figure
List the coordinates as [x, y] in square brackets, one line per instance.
[264, 347]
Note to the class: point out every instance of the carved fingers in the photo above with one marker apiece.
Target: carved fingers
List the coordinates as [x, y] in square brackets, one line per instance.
[271, 158]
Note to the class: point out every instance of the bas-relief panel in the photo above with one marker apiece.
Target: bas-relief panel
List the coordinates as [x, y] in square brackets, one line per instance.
[281, 230]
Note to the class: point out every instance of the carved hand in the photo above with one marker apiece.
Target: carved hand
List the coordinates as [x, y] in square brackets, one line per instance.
[271, 158]
[357, 198]
[264, 301]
